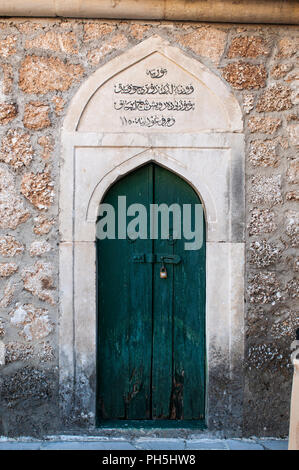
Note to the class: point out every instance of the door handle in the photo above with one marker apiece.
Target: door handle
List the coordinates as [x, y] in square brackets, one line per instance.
[156, 258]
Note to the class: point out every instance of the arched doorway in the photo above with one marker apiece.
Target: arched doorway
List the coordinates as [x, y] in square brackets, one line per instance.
[151, 302]
[209, 154]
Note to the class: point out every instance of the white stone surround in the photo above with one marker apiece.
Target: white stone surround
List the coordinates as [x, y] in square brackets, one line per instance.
[212, 161]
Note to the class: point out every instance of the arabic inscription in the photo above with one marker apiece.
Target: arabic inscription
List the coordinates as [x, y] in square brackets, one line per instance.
[152, 99]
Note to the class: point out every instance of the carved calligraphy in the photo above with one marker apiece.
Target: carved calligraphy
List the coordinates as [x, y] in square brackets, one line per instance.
[172, 90]
[154, 94]
[150, 89]
[156, 73]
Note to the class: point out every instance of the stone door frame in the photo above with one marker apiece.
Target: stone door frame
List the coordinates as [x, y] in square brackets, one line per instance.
[212, 162]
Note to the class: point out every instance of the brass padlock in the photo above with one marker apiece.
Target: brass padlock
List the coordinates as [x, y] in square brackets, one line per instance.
[163, 272]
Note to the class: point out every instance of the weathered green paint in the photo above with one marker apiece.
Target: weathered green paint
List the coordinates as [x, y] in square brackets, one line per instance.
[151, 331]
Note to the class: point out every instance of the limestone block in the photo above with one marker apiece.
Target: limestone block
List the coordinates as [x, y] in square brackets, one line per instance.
[46, 142]
[7, 78]
[8, 294]
[38, 189]
[280, 70]
[205, 41]
[38, 279]
[262, 253]
[12, 211]
[16, 149]
[247, 46]
[42, 225]
[38, 248]
[53, 41]
[287, 47]
[33, 322]
[8, 112]
[94, 31]
[293, 171]
[9, 246]
[264, 125]
[117, 42]
[264, 287]
[265, 190]
[44, 74]
[8, 46]
[275, 98]
[261, 221]
[36, 115]
[242, 75]
[7, 269]
[293, 132]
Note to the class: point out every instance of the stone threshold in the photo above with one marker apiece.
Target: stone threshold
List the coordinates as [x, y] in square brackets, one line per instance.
[130, 442]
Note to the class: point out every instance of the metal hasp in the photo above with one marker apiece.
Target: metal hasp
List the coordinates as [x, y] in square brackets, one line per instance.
[156, 258]
[172, 259]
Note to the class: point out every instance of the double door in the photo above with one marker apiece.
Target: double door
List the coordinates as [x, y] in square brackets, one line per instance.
[151, 309]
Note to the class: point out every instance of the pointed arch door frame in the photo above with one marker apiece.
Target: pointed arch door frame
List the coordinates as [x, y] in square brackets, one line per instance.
[212, 162]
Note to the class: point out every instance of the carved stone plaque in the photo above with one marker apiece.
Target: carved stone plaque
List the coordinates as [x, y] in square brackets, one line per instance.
[155, 94]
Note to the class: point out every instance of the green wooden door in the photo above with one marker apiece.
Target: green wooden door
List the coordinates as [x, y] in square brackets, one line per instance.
[151, 331]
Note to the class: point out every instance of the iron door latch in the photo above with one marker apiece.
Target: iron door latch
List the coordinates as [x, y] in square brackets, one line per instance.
[156, 258]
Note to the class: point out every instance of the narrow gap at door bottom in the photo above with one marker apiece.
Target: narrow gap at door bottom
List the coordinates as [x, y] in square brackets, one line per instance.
[152, 423]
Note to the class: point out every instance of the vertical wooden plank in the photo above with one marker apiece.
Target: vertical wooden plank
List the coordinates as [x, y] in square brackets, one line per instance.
[162, 314]
[140, 298]
[125, 314]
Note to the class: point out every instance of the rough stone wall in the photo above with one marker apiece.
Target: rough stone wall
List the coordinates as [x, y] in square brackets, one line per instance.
[42, 64]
